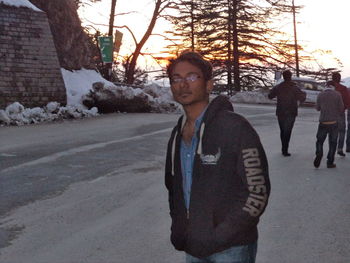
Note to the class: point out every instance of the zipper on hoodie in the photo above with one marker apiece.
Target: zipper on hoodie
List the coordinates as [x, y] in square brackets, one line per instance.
[197, 153]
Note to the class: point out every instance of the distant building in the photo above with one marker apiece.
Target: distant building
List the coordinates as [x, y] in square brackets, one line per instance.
[29, 68]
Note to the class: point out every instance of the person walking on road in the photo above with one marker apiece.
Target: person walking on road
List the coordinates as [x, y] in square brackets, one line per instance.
[348, 128]
[336, 77]
[330, 104]
[288, 95]
[216, 171]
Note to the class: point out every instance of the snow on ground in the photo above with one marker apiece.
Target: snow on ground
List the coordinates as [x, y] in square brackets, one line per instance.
[20, 3]
[257, 97]
[17, 114]
[79, 83]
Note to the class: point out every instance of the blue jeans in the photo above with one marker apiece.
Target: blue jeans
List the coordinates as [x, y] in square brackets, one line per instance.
[237, 254]
[332, 131]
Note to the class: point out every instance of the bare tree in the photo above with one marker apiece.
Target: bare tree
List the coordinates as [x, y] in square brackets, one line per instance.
[111, 17]
[160, 6]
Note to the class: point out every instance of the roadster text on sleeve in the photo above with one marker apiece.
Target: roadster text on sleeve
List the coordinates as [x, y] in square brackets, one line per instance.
[257, 198]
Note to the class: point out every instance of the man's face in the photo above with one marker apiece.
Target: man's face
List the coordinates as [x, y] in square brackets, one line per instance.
[188, 84]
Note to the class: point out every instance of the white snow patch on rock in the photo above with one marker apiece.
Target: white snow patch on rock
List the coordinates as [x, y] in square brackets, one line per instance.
[20, 3]
[79, 83]
[252, 97]
[17, 114]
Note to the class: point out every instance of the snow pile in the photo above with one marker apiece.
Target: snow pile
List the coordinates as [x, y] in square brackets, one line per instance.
[79, 83]
[122, 98]
[87, 89]
[111, 98]
[20, 3]
[162, 98]
[16, 114]
[88, 93]
[258, 96]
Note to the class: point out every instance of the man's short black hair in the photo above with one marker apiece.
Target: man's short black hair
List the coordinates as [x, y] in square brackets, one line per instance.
[195, 59]
[336, 77]
[287, 75]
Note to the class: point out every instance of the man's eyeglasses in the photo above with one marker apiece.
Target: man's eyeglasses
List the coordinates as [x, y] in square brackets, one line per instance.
[189, 78]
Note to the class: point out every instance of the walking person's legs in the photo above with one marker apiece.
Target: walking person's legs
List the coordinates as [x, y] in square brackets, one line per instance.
[341, 134]
[286, 125]
[348, 132]
[332, 140]
[281, 124]
[320, 138]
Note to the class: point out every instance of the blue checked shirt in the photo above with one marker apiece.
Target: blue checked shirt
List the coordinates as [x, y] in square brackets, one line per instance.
[187, 159]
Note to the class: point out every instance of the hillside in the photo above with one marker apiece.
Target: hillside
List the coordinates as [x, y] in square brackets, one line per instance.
[72, 43]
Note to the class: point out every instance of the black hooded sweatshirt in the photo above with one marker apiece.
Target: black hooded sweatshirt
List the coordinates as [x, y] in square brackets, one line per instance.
[230, 183]
[288, 94]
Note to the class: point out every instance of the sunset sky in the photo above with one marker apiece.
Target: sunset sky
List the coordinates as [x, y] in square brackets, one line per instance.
[320, 26]
[325, 26]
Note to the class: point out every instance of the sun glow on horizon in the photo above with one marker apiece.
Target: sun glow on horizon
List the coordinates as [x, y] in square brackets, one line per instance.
[324, 26]
[320, 26]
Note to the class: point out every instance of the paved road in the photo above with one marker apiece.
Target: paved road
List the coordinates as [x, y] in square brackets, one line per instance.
[92, 191]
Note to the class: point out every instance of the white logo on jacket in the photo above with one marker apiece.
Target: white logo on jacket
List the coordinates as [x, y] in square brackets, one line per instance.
[256, 182]
[211, 159]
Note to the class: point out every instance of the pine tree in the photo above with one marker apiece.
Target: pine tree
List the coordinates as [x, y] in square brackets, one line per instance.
[240, 37]
[186, 23]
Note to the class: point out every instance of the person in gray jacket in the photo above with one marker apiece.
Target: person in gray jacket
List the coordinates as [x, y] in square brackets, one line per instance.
[330, 104]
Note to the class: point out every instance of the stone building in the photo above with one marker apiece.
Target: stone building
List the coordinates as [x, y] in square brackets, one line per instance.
[29, 68]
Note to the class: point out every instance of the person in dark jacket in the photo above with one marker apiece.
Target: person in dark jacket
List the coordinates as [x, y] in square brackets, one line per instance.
[288, 95]
[336, 77]
[216, 171]
[348, 128]
[330, 104]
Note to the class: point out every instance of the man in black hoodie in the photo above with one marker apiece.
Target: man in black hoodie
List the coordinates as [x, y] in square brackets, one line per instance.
[288, 95]
[216, 171]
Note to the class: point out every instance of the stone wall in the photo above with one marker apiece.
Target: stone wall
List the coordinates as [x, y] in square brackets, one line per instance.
[29, 69]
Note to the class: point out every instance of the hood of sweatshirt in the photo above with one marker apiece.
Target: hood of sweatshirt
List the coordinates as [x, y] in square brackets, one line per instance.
[220, 103]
